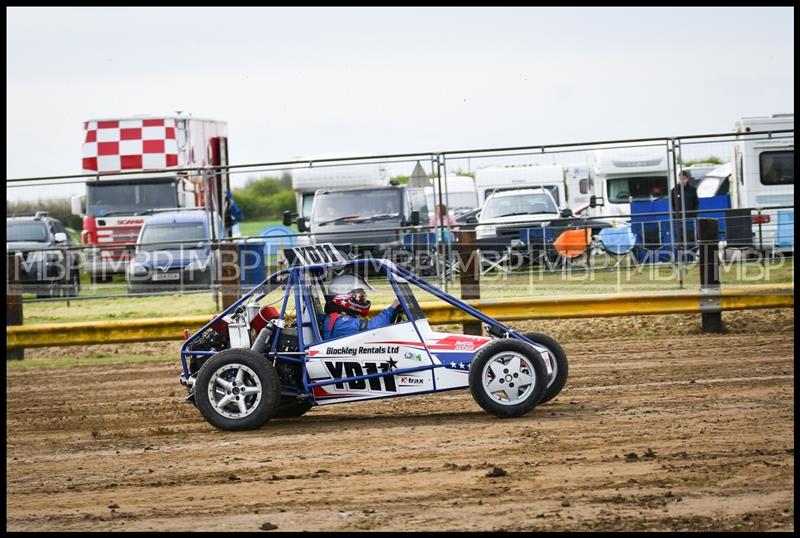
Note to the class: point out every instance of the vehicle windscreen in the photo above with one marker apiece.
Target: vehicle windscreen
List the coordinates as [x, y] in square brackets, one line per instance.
[26, 231]
[126, 199]
[523, 204]
[622, 190]
[356, 206]
[186, 235]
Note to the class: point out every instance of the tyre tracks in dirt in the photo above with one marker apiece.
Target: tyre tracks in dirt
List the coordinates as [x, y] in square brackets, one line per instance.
[673, 432]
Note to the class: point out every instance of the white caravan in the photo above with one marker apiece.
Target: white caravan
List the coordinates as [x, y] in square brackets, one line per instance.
[306, 181]
[458, 194]
[619, 176]
[504, 178]
[763, 176]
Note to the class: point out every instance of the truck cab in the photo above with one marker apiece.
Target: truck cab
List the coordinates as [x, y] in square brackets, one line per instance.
[360, 217]
[620, 176]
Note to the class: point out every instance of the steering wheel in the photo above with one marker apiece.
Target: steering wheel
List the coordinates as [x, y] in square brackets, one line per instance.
[398, 315]
[623, 194]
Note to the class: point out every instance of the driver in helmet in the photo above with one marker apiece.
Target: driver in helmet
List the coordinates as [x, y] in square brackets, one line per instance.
[345, 314]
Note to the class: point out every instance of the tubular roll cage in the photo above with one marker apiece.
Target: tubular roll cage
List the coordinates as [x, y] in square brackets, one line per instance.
[297, 285]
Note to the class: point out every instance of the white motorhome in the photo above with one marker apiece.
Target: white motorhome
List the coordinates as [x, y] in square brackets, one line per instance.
[503, 178]
[763, 177]
[621, 175]
[458, 194]
[577, 178]
[306, 181]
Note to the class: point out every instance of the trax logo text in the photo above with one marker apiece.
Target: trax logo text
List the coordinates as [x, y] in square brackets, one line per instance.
[406, 380]
[354, 369]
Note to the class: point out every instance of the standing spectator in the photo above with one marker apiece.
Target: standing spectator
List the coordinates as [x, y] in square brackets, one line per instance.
[444, 224]
[684, 205]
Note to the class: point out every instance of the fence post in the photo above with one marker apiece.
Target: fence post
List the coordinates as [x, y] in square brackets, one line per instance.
[13, 301]
[469, 262]
[230, 273]
[710, 308]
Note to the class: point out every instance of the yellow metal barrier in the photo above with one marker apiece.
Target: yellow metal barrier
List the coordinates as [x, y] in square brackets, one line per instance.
[156, 329]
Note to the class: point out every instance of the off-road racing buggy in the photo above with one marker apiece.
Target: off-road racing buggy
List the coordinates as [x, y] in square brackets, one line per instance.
[254, 362]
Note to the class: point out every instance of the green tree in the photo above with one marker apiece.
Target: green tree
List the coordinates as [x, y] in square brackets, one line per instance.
[265, 197]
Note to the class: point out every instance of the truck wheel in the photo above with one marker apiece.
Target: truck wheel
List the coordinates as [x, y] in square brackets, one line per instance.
[560, 367]
[237, 389]
[292, 408]
[507, 378]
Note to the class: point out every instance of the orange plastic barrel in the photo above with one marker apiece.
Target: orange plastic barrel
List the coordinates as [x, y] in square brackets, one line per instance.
[573, 243]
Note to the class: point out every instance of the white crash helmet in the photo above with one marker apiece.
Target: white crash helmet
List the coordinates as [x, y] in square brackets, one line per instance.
[345, 282]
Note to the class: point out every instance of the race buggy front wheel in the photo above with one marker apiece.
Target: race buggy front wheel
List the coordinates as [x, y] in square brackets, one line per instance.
[237, 389]
[507, 378]
[559, 364]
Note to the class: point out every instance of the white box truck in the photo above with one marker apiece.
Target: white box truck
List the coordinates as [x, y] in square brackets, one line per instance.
[116, 206]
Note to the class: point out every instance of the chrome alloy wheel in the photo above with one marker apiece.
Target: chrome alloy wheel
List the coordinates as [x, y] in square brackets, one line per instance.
[234, 391]
[508, 378]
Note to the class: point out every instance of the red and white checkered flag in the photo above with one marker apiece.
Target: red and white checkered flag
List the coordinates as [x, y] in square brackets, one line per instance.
[119, 145]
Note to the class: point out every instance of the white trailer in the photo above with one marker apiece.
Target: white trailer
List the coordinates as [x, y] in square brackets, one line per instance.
[458, 194]
[619, 176]
[763, 177]
[502, 178]
[306, 181]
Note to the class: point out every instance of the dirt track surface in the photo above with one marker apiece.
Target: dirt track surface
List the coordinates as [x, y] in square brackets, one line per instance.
[672, 432]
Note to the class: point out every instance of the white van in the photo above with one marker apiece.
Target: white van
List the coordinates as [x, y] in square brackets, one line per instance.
[503, 178]
[458, 194]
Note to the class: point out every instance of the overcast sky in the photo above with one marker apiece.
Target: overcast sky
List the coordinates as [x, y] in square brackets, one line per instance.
[306, 81]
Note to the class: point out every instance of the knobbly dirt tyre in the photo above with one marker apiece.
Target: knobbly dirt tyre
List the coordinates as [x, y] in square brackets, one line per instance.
[507, 378]
[561, 366]
[237, 389]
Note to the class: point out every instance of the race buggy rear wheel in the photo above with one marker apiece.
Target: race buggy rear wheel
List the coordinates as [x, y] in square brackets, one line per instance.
[559, 364]
[507, 378]
[237, 389]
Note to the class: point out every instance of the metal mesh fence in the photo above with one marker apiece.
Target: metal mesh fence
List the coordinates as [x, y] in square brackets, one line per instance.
[582, 218]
